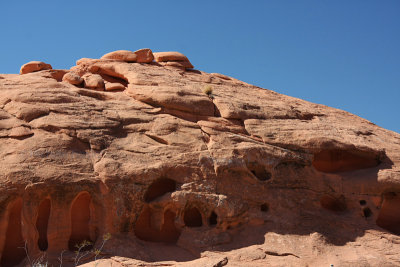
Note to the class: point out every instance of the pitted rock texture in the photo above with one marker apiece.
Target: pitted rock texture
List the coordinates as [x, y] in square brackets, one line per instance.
[179, 178]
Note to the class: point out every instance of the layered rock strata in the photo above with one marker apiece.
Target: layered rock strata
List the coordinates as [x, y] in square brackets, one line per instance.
[236, 176]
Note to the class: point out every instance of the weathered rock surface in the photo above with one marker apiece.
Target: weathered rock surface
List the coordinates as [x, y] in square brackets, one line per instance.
[169, 56]
[72, 78]
[33, 66]
[144, 55]
[247, 177]
[123, 55]
[93, 81]
[173, 59]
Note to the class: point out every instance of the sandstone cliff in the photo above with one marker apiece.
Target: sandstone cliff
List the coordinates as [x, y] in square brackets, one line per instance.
[187, 168]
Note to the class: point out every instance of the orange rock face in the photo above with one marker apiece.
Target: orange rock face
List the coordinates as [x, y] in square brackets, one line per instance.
[237, 176]
[34, 66]
[173, 59]
[144, 55]
[72, 78]
[123, 55]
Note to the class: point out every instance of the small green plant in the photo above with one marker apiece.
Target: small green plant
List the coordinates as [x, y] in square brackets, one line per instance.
[95, 251]
[81, 252]
[208, 90]
[39, 262]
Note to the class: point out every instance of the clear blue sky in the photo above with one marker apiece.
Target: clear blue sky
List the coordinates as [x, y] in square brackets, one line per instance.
[341, 53]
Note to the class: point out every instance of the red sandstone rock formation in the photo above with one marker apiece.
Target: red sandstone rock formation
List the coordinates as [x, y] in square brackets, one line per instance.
[240, 176]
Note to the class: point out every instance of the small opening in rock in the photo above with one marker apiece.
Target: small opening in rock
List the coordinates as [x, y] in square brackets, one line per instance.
[259, 171]
[192, 217]
[142, 226]
[113, 79]
[80, 218]
[367, 212]
[13, 252]
[332, 203]
[363, 202]
[42, 223]
[336, 160]
[389, 215]
[158, 188]
[213, 220]
[168, 233]
[264, 207]
[112, 76]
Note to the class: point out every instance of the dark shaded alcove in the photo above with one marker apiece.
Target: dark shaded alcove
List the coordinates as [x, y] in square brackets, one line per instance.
[332, 203]
[192, 217]
[80, 217]
[389, 215]
[264, 207]
[13, 251]
[169, 232]
[158, 188]
[366, 212]
[144, 230]
[213, 219]
[42, 222]
[336, 160]
[259, 171]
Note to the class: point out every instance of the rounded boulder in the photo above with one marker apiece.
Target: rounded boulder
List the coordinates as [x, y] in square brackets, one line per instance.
[169, 56]
[122, 55]
[72, 78]
[34, 66]
[94, 81]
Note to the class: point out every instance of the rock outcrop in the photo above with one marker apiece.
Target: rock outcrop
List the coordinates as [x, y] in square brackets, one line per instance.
[236, 176]
[173, 59]
[144, 55]
[33, 66]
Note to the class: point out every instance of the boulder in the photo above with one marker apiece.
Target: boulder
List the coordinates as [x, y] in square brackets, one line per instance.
[173, 59]
[114, 86]
[72, 78]
[144, 55]
[169, 56]
[178, 64]
[122, 55]
[94, 81]
[34, 66]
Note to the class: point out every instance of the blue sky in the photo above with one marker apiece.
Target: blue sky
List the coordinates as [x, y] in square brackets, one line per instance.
[342, 53]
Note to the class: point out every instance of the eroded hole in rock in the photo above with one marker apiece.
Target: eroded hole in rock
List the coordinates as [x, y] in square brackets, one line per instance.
[143, 228]
[259, 171]
[336, 160]
[113, 79]
[192, 217]
[158, 188]
[169, 232]
[42, 222]
[367, 212]
[112, 76]
[80, 217]
[145, 231]
[217, 113]
[13, 251]
[333, 203]
[389, 215]
[363, 202]
[213, 220]
[264, 207]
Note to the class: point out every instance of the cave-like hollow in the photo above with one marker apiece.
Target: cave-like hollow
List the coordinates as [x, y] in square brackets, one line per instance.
[80, 218]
